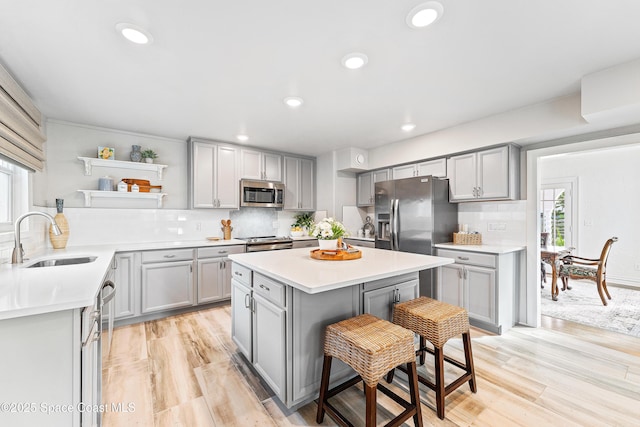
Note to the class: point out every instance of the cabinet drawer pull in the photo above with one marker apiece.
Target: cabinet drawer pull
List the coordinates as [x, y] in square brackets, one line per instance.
[463, 258]
[170, 256]
[237, 273]
[223, 252]
[266, 288]
[247, 300]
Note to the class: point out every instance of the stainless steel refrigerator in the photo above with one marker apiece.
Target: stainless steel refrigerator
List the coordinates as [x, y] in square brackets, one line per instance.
[412, 215]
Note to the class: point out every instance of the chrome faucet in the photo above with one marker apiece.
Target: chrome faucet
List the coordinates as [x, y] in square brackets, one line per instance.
[18, 253]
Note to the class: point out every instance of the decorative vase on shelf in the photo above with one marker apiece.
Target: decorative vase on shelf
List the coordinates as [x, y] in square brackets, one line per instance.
[136, 154]
[328, 244]
[60, 241]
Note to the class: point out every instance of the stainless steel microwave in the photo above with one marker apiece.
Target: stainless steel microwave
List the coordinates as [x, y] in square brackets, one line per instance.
[264, 194]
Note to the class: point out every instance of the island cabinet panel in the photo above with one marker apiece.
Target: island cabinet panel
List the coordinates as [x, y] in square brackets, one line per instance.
[269, 342]
[379, 297]
[310, 315]
[241, 321]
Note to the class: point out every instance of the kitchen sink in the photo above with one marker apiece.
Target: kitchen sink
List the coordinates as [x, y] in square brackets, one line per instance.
[52, 262]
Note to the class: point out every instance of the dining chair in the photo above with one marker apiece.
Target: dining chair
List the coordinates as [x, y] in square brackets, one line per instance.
[575, 267]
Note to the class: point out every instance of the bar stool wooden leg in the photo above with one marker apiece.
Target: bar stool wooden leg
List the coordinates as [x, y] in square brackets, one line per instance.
[324, 387]
[423, 344]
[414, 391]
[468, 355]
[370, 407]
[440, 394]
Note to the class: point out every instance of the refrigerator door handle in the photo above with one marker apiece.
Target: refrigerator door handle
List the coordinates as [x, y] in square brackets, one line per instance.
[396, 239]
[391, 225]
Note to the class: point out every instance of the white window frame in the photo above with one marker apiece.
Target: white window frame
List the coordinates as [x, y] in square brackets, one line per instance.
[17, 196]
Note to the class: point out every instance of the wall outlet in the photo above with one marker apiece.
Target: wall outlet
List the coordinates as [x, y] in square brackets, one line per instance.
[497, 226]
[636, 266]
[198, 226]
[275, 224]
[588, 222]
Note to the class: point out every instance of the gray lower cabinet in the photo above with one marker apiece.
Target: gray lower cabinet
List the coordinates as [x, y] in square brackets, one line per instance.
[167, 280]
[358, 242]
[214, 273]
[379, 297]
[126, 281]
[482, 283]
[307, 243]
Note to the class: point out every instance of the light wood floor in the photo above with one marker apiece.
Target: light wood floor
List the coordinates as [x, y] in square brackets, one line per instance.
[185, 371]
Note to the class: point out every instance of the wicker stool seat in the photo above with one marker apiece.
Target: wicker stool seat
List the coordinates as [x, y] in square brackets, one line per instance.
[372, 347]
[437, 322]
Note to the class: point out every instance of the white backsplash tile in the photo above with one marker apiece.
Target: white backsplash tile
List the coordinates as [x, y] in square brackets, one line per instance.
[509, 216]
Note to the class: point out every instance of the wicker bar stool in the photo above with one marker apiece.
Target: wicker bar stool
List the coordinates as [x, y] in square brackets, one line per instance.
[371, 346]
[437, 322]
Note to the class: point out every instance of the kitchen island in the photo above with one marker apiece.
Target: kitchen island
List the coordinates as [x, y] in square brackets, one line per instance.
[283, 300]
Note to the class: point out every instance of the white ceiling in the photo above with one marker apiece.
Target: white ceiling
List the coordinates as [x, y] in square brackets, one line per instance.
[220, 68]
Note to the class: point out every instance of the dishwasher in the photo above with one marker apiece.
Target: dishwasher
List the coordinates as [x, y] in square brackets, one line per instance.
[91, 353]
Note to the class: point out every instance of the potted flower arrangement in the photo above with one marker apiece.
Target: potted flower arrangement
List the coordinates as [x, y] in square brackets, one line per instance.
[303, 224]
[328, 231]
[149, 155]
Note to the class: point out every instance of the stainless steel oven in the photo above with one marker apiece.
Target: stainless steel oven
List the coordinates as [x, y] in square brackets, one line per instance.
[267, 243]
[265, 194]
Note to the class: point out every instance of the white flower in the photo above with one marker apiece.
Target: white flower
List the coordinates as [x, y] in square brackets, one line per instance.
[328, 229]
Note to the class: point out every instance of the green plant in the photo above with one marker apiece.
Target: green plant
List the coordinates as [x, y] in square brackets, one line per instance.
[303, 220]
[149, 154]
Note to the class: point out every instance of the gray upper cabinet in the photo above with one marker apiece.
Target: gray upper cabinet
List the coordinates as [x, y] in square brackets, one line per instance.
[436, 167]
[367, 183]
[299, 177]
[491, 174]
[260, 165]
[213, 177]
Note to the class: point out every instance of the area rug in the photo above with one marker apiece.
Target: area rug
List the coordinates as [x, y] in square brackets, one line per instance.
[582, 304]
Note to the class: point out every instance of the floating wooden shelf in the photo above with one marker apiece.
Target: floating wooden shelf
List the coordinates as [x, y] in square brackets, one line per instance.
[92, 194]
[90, 162]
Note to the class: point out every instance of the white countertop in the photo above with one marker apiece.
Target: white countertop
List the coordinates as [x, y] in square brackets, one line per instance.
[489, 249]
[296, 267]
[28, 291]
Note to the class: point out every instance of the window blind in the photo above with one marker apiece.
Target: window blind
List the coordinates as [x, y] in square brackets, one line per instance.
[21, 136]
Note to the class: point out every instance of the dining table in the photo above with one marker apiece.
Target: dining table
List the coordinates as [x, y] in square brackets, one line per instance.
[552, 255]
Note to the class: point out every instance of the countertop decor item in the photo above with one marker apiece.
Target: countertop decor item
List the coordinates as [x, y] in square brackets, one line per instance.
[328, 231]
[226, 228]
[105, 183]
[149, 155]
[123, 187]
[136, 154]
[467, 238]
[59, 241]
[336, 254]
[304, 223]
[106, 153]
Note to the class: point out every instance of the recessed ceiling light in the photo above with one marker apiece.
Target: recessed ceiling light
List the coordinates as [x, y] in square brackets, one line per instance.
[353, 61]
[242, 138]
[293, 101]
[134, 34]
[408, 127]
[424, 14]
